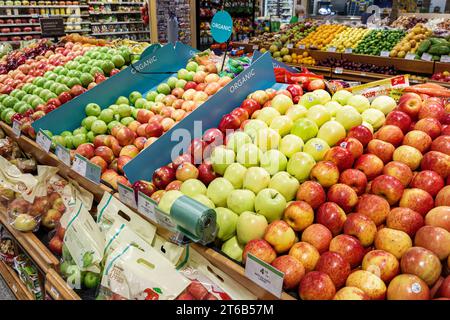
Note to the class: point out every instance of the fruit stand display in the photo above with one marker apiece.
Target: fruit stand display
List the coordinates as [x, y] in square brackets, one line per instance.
[343, 191]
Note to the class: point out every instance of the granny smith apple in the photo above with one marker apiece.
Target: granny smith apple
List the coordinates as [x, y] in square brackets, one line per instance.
[221, 158]
[78, 139]
[291, 144]
[296, 112]
[181, 83]
[268, 114]
[90, 136]
[317, 148]
[281, 103]
[80, 130]
[65, 133]
[332, 107]
[384, 103]
[250, 226]
[126, 121]
[99, 127]
[92, 109]
[237, 139]
[218, 191]
[151, 95]
[204, 200]
[88, 121]
[285, 184]
[160, 97]
[124, 110]
[341, 97]
[256, 179]
[300, 165]
[349, 117]
[192, 66]
[68, 141]
[267, 139]
[322, 95]
[273, 161]
[112, 124]
[140, 103]
[309, 99]
[192, 187]
[226, 221]
[249, 155]
[163, 88]
[305, 129]
[134, 96]
[374, 117]
[359, 102]
[182, 73]
[319, 114]
[106, 115]
[235, 174]
[233, 249]
[172, 81]
[253, 126]
[270, 203]
[122, 100]
[331, 132]
[167, 200]
[241, 200]
[282, 124]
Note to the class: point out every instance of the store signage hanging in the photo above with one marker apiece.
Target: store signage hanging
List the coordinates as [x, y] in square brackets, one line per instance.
[221, 26]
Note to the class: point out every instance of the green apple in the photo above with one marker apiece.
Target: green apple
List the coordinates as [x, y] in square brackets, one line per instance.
[192, 187]
[151, 95]
[237, 139]
[256, 179]
[92, 109]
[316, 148]
[241, 200]
[181, 83]
[99, 127]
[384, 103]
[253, 126]
[322, 95]
[192, 66]
[78, 139]
[281, 103]
[172, 82]
[267, 114]
[90, 136]
[112, 124]
[163, 88]
[134, 96]
[65, 133]
[106, 115]
[80, 130]
[88, 121]
[374, 117]
[305, 129]
[235, 174]
[68, 141]
[226, 222]
[122, 100]
[126, 121]
[273, 161]
[267, 139]
[319, 114]
[331, 132]
[190, 76]
[282, 124]
[296, 112]
[167, 200]
[291, 144]
[140, 103]
[182, 73]
[218, 191]
[308, 100]
[250, 226]
[134, 112]
[124, 110]
[270, 203]
[300, 165]
[86, 78]
[349, 117]
[332, 107]
[359, 102]
[342, 97]
[160, 97]
[249, 155]
[285, 184]
[221, 158]
[118, 60]
[233, 249]
[204, 200]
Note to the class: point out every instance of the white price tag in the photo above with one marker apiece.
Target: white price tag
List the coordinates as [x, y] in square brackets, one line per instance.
[126, 195]
[348, 50]
[146, 206]
[264, 275]
[445, 59]
[384, 54]
[410, 56]
[79, 165]
[302, 46]
[54, 292]
[43, 140]
[331, 49]
[289, 46]
[63, 154]
[255, 47]
[87, 169]
[164, 220]
[339, 70]
[16, 128]
[426, 57]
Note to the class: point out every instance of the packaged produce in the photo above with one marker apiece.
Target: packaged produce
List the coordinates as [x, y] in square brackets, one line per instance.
[7, 250]
[28, 274]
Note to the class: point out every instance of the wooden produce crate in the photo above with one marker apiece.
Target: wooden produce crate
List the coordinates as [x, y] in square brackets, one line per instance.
[13, 281]
[57, 288]
[441, 67]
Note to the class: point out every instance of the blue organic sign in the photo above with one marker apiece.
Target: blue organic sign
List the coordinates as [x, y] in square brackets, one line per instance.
[221, 26]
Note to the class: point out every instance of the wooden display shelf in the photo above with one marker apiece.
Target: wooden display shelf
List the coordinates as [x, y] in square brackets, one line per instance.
[13, 281]
[441, 67]
[57, 288]
[31, 147]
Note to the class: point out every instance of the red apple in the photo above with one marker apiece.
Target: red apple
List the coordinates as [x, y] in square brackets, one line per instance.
[405, 219]
[375, 207]
[312, 193]
[444, 290]
[154, 129]
[241, 114]
[174, 185]
[186, 171]
[408, 287]
[99, 161]
[317, 235]
[354, 179]
[122, 161]
[361, 133]
[391, 134]
[439, 217]
[326, 173]
[342, 157]
[144, 115]
[336, 267]
[429, 181]
[299, 215]
[280, 236]
[163, 176]
[251, 105]
[410, 105]
[400, 171]
[124, 136]
[229, 122]
[350, 293]
[418, 139]
[399, 119]
[349, 248]
[110, 177]
[382, 264]
[145, 187]
[438, 162]
[86, 150]
[443, 197]
[432, 110]
[316, 285]
[361, 227]
[331, 216]
[213, 136]
[430, 126]
[435, 239]
[370, 165]
[418, 200]
[387, 187]
[353, 145]
[383, 150]
[422, 263]
[306, 253]
[344, 196]
[441, 144]
[260, 249]
[293, 271]
[185, 157]
[105, 153]
[206, 173]
[196, 150]
[130, 151]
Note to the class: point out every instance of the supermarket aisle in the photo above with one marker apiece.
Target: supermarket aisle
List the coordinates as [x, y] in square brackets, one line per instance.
[5, 293]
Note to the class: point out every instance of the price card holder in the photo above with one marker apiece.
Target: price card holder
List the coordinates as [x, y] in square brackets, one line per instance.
[16, 128]
[126, 195]
[147, 206]
[384, 54]
[302, 46]
[164, 220]
[445, 59]
[264, 275]
[87, 169]
[348, 50]
[426, 56]
[63, 154]
[43, 140]
[289, 46]
[338, 70]
[255, 47]
[331, 49]
[410, 56]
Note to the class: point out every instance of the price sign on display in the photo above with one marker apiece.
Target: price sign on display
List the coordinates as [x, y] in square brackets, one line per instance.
[348, 50]
[264, 275]
[445, 59]
[43, 140]
[289, 46]
[338, 70]
[410, 56]
[164, 220]
[63, 154]
[255, 47]
[126, 195]
[16, 128]
[331, 49]
[302, 46]
[146, 206]
[87, 169]
[384, 54]
[426, 57]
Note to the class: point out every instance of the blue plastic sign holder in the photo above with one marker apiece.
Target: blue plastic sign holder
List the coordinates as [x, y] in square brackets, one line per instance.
[150, 50]
[259, 75]
[275, 63]
[141, 78]
[221, 26]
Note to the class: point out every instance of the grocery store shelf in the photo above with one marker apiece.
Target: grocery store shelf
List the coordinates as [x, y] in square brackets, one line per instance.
[80, 30]
[118, 33]
[44, 6]
[13, 281]
[57, 288]
[20, 25]
[19, 33]
[114, 12]
[116, 3]
[44, 15]
[116, 22]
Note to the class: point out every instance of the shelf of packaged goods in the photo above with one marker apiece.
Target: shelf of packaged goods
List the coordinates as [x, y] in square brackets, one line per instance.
[44, 6]
[20, 33]
[116, 3]
[31, 245]
[13, 281]
[20, 25]
[114, 12]
[116, 22]
[31, 147]
[36, 16]
[57, 288]
[80, 30]
[119, 33]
